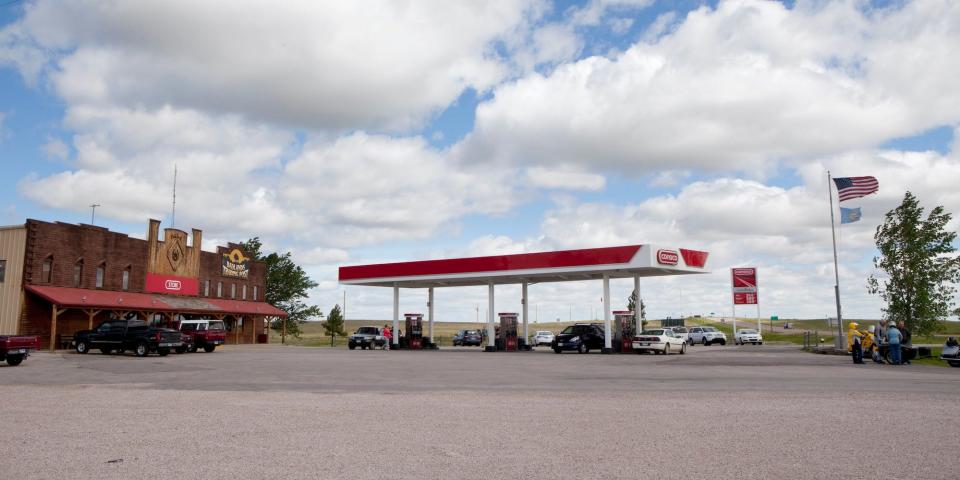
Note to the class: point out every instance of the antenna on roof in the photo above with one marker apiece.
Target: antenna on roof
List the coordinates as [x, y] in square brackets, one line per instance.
[93, 211]
[173, 214]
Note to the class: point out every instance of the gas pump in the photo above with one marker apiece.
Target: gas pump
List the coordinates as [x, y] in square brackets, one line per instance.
[623, 331]
[414, 330]
[507, 337]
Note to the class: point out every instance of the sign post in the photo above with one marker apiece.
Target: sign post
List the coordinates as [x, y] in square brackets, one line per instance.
[743, 282]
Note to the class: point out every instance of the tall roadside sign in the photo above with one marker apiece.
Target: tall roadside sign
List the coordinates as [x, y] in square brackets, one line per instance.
[743, 283]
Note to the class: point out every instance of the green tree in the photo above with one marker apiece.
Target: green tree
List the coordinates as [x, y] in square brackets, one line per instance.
[632, 304]
[333, 326]
[919, 270]
[287, 287]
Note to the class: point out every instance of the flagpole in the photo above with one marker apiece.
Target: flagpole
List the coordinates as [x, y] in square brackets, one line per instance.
[839, 342]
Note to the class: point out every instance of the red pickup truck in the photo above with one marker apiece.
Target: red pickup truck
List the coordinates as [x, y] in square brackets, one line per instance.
[15, 349]
[202, 333]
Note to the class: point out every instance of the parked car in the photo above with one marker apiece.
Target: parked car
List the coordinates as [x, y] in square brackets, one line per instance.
[581, 337]
[706, 336]
[681, 332]
[659, 340]
[951, 352]
[367, 338]
[542, 337]
[14, 349]
[123, 335]
[202, 333]
[470, 338]
[748, 335]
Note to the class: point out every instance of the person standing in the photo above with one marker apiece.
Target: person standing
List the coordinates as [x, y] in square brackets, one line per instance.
[893, 342]
[907, 341]
[388, 335]
[853, 343]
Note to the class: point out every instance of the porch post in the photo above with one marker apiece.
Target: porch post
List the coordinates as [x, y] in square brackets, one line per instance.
[53, 326]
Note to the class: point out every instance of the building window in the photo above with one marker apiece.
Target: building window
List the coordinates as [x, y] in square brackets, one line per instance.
[206, 288]
[101, 269]
[3, 270]
[46, 270]
[243, 292]
[77, 273]
[125, 279]
[233, 290]
[254, 292]
[219, 289]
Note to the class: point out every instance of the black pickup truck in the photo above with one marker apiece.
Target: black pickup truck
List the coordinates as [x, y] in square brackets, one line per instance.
[123, 335]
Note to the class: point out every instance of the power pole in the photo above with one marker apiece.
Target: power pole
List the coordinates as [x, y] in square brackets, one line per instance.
[93, 211]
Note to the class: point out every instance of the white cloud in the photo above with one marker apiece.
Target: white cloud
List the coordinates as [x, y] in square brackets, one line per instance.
[733, 88]
[316, 64]
[565, 177]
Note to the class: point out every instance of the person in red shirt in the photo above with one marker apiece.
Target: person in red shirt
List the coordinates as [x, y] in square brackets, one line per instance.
[388, 335]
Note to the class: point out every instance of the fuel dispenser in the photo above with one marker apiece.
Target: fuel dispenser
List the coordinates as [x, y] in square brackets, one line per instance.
[414, 330]
[624, 331]
[507, 337]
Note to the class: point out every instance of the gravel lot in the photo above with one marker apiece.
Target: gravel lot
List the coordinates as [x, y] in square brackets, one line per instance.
[290, 412]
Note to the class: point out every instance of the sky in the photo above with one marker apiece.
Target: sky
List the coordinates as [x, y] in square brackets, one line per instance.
[366, 132]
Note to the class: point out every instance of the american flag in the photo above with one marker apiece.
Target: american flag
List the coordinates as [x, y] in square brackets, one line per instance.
[855, 187]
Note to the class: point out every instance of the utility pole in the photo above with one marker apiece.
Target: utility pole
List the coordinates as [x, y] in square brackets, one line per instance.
[93, 211]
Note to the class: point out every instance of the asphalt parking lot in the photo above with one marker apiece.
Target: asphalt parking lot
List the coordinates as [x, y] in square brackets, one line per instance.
[291, 412]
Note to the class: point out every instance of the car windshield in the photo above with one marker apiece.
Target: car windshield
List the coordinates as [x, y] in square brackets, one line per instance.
[216, 326]
[188, 327]
[748, 331]
[569, 330]
[367, 330]
[652, 332]
[709, 329]
[544, 333]
[680, 330]
[472, 332]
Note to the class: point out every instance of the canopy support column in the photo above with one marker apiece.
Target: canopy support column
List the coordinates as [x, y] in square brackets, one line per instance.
[491, 334]
[430, 312]
[636, 307]
[526, 313]
[607, 337]
[53, 327]
[396, 315]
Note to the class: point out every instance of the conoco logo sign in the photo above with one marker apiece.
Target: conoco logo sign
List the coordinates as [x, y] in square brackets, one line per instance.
[667, 257]
[172, 284]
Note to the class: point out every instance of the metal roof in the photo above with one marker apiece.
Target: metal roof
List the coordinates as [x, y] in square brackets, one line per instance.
[111, 299]
[557, 266]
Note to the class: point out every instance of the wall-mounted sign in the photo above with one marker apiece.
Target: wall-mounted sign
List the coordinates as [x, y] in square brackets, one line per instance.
[667, 257]
[234, 264]
[172, 285]
[744, 283]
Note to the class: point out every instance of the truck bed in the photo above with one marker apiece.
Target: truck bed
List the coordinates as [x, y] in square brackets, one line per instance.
[10, 342]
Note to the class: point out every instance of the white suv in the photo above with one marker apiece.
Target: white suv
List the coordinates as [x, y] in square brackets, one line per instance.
[706, 336]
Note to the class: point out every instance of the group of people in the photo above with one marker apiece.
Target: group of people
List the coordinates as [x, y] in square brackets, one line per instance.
[896, 336]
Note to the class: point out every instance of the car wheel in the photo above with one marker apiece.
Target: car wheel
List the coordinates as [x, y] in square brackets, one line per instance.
[82, 347]
[182, 349]
[106, 351]
[209, 348]
[581, 348]
[683, 349]
[666, 349]
[142, 350]
[705, 341]
[351, 346]
[953, 363]
[163, 352]
[14, 360]
[723, 342]
[557, 351]
[759, 343]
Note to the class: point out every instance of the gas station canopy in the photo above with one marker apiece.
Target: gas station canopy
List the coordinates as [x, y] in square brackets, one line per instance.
[559, 266]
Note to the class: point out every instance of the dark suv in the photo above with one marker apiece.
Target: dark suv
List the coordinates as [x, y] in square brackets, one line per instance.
[581, 337]
[468, 338]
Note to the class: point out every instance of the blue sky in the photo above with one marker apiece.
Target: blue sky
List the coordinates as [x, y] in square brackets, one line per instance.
[443, 129]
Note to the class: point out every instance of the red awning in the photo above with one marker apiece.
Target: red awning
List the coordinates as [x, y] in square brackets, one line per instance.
[86, 298]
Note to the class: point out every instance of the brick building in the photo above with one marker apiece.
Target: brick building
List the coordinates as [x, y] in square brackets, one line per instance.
[58, 278]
